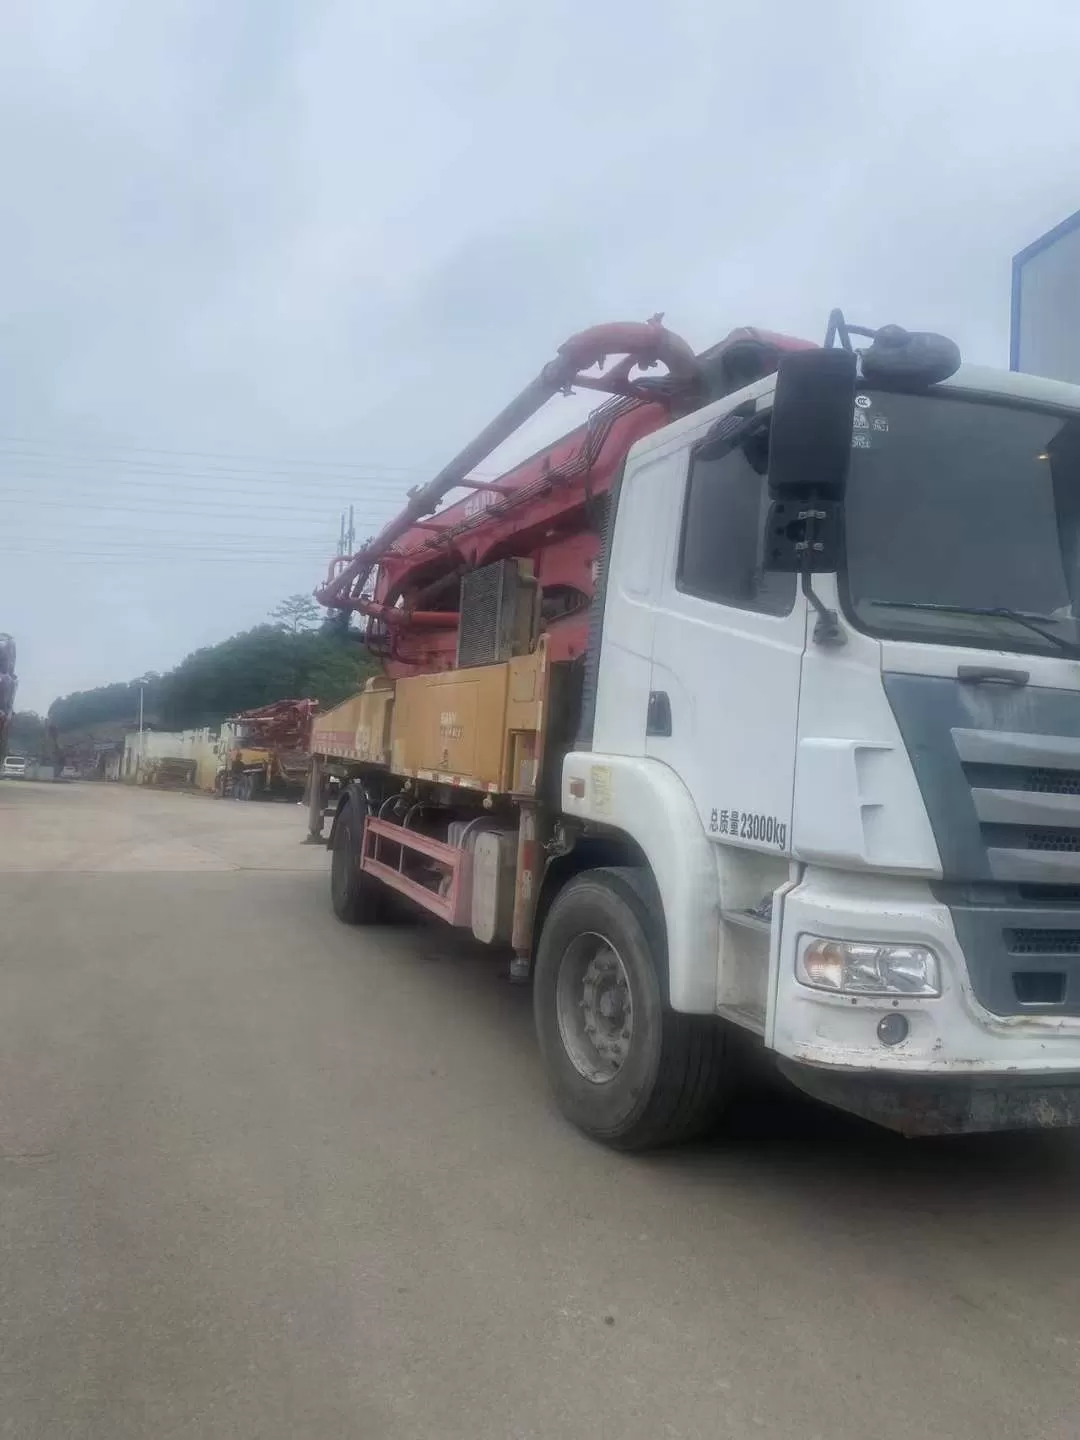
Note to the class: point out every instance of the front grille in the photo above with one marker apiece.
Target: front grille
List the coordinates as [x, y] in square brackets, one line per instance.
[1027, 941]
[1053, 839]
[999, 771]
[1052, 782]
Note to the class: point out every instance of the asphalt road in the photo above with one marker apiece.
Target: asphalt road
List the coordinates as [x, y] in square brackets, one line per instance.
[263, 1176]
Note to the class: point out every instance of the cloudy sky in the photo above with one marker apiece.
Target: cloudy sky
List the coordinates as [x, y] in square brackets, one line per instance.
[261, 259]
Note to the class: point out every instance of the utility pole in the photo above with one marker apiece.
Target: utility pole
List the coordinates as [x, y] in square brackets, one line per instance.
[142, 683]
[347, 534]
[339, 620]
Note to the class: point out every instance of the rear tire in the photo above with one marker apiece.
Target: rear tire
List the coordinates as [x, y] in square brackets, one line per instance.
[624, 1068]
[357, 898]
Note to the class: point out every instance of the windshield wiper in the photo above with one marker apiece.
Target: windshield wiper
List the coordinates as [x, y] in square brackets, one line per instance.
[1001, 612]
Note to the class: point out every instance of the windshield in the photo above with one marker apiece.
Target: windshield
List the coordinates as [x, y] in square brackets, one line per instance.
[956, 507]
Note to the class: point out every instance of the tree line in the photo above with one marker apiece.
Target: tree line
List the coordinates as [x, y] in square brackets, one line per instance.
[291, 656]
[26, 733]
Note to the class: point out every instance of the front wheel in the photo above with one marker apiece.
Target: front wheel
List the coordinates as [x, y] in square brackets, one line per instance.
[624, 1068]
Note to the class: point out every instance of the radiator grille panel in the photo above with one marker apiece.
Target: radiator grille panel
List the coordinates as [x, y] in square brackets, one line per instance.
[1027, 941]
[1068, 840]
[497, 607]
[1053, 782]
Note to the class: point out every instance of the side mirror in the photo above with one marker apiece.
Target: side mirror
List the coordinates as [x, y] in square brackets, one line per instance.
[810, 438]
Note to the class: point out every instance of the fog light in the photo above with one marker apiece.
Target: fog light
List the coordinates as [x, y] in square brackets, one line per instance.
[892, 1028]
[850, 967]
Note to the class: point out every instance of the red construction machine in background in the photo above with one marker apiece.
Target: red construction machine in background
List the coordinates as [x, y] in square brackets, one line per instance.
[267, 751]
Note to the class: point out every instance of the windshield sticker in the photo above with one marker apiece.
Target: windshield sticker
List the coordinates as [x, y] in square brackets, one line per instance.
[859, 441]
[863, 402]
[860, 422]
[881, 423]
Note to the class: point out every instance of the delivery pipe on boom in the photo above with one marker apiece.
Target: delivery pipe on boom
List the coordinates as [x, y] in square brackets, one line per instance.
[642, 345]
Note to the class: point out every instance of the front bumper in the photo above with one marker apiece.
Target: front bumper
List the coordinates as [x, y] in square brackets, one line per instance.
[971, 1069]
[961, 1105]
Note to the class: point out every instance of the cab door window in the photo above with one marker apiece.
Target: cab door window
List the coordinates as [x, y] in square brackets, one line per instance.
[723, 535]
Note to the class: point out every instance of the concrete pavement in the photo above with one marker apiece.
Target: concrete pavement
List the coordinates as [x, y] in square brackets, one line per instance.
[264, 1176]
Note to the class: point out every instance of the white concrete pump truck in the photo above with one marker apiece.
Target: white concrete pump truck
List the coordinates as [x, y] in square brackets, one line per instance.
[753, 705]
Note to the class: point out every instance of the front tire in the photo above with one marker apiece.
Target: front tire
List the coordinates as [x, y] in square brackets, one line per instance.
[624, 1068]
[357, 898]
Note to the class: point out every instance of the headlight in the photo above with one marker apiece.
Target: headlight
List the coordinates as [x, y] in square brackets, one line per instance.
[852, 967]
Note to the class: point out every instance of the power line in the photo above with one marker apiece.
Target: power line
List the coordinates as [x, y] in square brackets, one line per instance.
[389, 475]
[119, 562]
[32, 501]
[142, 467]
[92, 530]
[316, 562]
[187, 485]
[255, 457]
[49, 545]
[285, 532]
[109, 534]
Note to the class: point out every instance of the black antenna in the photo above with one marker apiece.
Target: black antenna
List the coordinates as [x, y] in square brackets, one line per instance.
[838, 328]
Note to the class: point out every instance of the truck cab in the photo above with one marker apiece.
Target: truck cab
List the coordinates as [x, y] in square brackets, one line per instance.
[856, 778]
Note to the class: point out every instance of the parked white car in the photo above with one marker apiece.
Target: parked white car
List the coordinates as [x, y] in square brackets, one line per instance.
[14, 768]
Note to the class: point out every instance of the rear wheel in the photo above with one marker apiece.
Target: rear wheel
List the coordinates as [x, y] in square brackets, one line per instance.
[357, 898]
[624, 1068]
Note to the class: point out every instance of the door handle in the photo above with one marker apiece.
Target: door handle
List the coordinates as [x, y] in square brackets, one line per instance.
[991, 675]
[658, 716]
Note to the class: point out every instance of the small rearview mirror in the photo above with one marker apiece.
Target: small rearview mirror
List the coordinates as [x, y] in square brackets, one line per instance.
[810, 437]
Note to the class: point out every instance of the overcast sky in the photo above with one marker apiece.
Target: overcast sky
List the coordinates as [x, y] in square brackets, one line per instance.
[261, 259]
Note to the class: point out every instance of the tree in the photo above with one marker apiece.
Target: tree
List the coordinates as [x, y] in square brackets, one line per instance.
[259, 667]
[337, 623]
[254, 668]
[26, 734]
[296, 613]
[109, 704]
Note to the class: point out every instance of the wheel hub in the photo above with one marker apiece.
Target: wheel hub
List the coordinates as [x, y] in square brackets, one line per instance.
[595, 1009]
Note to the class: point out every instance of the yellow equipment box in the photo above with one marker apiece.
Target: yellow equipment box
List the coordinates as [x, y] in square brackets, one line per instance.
[358, 728]
[451, 726]
[477, 727]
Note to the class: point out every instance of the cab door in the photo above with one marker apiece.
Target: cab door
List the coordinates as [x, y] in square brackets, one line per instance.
[728, 638]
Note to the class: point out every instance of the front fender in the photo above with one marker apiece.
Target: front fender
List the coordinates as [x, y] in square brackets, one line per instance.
[647, 802]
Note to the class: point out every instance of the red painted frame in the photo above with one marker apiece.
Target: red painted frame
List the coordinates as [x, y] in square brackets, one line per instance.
[456, 906]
